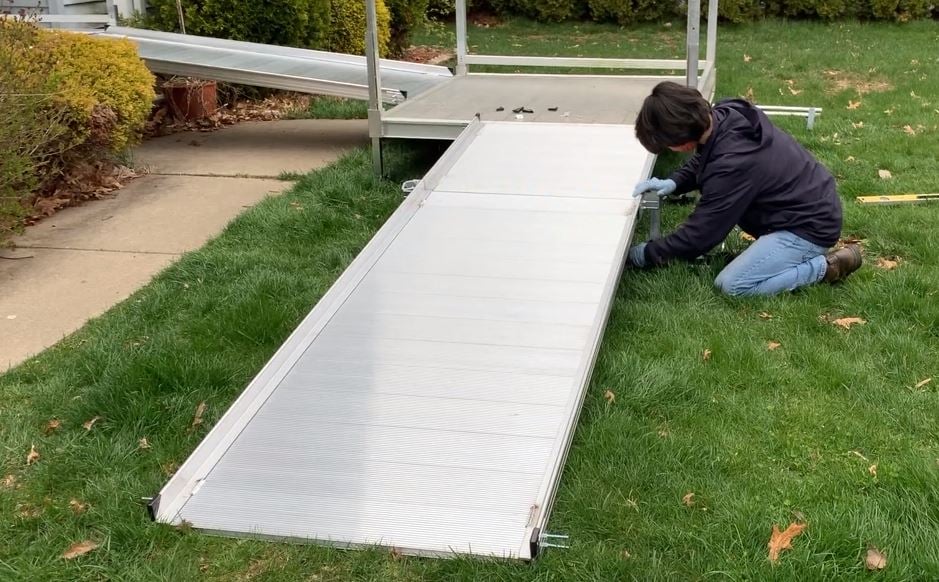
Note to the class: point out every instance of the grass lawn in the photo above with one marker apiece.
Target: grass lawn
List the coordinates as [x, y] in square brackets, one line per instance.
[831, 428]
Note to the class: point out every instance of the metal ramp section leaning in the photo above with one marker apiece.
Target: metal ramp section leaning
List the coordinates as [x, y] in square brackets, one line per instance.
[428, 401]
[277, 67]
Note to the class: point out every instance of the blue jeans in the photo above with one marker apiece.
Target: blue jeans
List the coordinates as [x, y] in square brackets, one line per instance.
[775, 262]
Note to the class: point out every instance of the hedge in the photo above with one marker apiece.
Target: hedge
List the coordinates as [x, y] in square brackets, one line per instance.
[335, 25]
[65, 99]
[631, 11]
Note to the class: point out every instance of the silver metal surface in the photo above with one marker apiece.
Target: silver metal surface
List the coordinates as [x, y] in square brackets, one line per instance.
[604, 99]
[711, 54]
[277, 67]
[428, 401]
[692, 41]
[461, 41]
[375, 107]
[579, 62]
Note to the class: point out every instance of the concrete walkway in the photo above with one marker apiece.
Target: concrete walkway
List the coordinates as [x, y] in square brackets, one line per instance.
[80, 262]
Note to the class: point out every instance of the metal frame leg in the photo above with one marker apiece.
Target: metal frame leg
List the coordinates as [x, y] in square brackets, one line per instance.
[652, 203]
[378, 162]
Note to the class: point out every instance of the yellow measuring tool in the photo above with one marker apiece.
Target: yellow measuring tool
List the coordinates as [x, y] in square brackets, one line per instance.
[898, 199]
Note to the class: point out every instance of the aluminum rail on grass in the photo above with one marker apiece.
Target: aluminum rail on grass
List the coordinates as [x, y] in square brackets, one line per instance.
[427, 403]
[287, 68]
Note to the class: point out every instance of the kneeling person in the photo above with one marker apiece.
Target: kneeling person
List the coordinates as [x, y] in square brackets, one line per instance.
[752, 174]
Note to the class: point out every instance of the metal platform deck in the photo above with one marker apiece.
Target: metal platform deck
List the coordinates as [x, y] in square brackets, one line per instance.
[277, 67]
[428, 401]
[443, 112]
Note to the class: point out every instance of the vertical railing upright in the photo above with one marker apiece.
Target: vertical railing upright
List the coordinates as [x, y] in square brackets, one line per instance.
[693, 41]
[372, 59]
[461, 68]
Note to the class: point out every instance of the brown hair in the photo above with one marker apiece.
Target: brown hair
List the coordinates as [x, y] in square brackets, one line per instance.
[671, 116]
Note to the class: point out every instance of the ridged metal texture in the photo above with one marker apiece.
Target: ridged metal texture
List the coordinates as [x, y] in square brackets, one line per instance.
[428, 402]
[278, 67]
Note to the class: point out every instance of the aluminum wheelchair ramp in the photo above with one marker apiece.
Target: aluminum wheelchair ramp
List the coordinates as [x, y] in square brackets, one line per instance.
[428, 401]
[277, 67]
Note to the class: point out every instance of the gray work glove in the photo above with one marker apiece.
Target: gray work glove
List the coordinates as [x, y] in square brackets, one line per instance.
[661, 187]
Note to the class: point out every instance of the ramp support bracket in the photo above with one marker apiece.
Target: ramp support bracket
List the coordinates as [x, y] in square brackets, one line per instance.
[652, 203]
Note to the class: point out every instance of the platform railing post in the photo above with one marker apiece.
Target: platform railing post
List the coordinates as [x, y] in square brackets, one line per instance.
[711, 55]
[693, 41]
[374, 85]
[461, 68]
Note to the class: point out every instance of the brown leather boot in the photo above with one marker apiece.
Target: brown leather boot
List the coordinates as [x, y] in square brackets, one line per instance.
[843, 262]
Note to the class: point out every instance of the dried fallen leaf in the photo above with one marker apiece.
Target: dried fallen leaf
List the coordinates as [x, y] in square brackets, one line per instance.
[610, 397]
[853, 104]
[791, 86]
[858, 125]
[765, 315]
[79, 549]
[197, 419]
[32, 456]
[747, 58]
[887, 264]
[169, 468]
[747, 237]
[872, 470]
[773, 346]
[847, 322]
[919, 385]
[143, 443]
[749, 95]
[875, 560]
[884, 174]
[782, 540]
[9, 482]
[706, 355]
[89, 424]
[688, 499]
[27, 510]
[849, 159]
[52, 426]
[909, 130]
[626, 555]
[77, 506]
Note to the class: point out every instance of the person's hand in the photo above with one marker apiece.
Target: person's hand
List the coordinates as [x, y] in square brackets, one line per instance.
[657, 185]
[637, 255]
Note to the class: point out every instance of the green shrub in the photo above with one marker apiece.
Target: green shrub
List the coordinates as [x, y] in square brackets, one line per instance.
[350, 37]
[626, 12]
[900, 9]
[65, 99]
[101, 82]
[552, 10]
[300, 23]
[738, 11]
[336, 25]
[440, 9]
[406, 16]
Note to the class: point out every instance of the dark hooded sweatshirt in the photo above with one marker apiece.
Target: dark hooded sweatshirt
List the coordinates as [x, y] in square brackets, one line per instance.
[752, 174]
